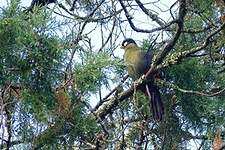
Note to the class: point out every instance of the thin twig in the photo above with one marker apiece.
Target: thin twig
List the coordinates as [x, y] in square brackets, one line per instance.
[171, 85]
[105, 99]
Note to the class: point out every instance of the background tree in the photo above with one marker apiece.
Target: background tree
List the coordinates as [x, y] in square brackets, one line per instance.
[63, 83]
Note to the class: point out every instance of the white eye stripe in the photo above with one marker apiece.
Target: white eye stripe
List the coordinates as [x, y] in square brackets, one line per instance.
[125, 44]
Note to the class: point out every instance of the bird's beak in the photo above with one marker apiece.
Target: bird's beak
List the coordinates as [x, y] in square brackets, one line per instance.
[122, 47]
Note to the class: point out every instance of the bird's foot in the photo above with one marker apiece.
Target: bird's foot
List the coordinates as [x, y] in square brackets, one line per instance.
[135, 84]
[143, 77]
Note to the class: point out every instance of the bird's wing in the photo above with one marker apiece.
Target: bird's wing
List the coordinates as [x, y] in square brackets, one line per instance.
[144, 63]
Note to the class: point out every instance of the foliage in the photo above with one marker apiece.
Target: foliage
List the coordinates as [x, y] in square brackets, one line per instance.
[63, 82]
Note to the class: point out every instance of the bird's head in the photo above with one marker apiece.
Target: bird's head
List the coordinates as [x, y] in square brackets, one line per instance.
[127, 42]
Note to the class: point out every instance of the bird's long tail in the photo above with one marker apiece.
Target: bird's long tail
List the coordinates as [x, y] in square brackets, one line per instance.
[156, 102]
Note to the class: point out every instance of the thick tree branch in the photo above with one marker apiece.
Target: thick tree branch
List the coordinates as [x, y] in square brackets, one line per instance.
[169, 46]
[113, 102]
[176, 57]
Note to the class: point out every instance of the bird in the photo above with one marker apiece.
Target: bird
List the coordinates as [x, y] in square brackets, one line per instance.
[138, 62]
[40, 3]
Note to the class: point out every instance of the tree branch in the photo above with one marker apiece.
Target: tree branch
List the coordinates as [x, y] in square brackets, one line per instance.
[129, 18]
[171, 85]
[88, 17]
[176, 57]
[113, 102]
[168, 47]
[105, 99]
[154, 17]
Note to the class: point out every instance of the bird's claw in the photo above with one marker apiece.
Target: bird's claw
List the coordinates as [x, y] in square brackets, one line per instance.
[143, 77]
[135, 84]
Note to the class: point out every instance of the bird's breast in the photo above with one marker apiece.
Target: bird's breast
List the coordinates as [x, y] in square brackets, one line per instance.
[133, 61]
[137, 61]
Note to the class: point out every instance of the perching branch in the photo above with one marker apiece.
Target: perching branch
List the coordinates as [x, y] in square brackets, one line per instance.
[113, 102]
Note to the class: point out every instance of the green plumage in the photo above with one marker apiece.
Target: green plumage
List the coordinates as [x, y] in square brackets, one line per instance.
[138, 62]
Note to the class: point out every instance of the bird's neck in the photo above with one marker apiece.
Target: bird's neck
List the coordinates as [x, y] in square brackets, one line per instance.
[131, 52]
[131, 48]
